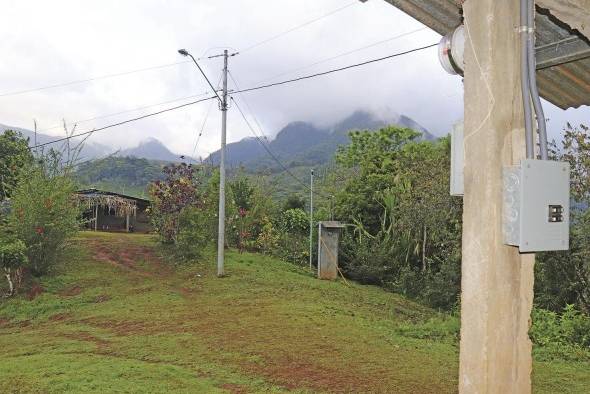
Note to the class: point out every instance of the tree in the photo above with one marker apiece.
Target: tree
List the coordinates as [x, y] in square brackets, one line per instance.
[294, 202]
[44, 213]
[14, 155]
[407, 227]
[563, 278]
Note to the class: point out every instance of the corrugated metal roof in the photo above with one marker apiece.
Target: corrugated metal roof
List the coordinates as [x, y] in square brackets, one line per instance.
[565, 85]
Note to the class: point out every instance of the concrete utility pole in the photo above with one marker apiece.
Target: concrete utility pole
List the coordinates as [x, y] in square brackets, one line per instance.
[221, 231]
[223, 108]
[497, 281]
[311, 221]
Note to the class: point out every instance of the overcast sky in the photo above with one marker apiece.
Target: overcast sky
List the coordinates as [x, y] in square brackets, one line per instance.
[51, 42]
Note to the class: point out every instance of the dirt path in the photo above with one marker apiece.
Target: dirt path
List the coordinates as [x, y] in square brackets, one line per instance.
[128, 255]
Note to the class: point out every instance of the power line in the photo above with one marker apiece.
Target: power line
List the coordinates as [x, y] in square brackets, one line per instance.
[297, 27]
[345, 54]
[271, 154]
[248, 106]
[79, 81]
[336, 69]
[91, 79]
[249, 90]
[184, 52]
[123, 122]
[124, 112]
[204, 122]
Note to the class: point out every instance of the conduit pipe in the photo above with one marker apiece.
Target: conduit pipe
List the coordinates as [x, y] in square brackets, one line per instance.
[534, 91]
[525, 77]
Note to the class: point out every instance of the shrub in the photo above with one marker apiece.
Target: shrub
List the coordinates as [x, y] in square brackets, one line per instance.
[268, 239]
[294, 221]
[565, 336]
[294, 202]
[43, 213]
[13, 260]
[195, 228]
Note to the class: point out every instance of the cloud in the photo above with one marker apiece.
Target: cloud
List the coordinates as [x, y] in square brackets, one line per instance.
[51, 42]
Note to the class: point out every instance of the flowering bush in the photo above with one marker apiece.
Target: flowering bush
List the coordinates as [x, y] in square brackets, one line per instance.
[44, 214]
[171, 196]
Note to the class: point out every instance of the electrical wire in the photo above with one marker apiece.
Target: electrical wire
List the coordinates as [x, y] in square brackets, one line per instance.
[91, 79]
[122, 123]
[266, 148]
[204, 123]
[247, 90]
[79, 81]
[336, 69]
[255, 45]
[345, 54]
[124, 112]
[185, 53]
[248, 106]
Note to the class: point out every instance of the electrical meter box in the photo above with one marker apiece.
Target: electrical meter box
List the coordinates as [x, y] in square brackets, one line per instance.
[457, 162]
[536, 205]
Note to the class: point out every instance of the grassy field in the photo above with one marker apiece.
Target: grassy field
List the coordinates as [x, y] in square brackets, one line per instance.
[116, 318]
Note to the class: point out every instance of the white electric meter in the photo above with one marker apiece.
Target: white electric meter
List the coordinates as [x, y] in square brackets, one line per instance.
[450, 51]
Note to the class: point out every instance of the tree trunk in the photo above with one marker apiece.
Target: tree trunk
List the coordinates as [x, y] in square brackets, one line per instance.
[424, 250]
[9, 279]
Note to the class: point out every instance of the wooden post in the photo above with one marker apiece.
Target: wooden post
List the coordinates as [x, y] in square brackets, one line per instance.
[497, 282]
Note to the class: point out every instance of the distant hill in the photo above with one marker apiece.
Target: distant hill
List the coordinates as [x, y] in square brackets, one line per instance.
[151, 149]
[304, 144]
[126, 175]
[90, 150]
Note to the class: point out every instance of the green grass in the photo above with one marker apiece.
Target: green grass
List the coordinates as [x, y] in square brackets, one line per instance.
[115, 318]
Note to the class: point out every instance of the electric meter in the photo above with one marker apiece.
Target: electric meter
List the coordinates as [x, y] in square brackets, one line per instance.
[450, 51]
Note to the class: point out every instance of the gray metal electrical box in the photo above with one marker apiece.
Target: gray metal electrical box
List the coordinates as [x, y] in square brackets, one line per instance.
[536, 205]
[457, 162]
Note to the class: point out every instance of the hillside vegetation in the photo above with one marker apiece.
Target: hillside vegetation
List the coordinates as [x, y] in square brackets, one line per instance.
[126, 175]
[115, 317]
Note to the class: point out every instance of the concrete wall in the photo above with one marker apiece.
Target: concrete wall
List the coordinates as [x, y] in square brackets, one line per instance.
[328, 238]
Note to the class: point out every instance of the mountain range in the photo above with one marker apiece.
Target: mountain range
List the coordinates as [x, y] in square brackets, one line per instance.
[151, 148]
[297, 144]
[304, 144]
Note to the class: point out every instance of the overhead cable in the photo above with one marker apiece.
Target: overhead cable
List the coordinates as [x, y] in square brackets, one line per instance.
[251, 89]
[336, 69]
[267, 40]
[79, 81]
[124, 111]
[123, 122]
[204, 122]
[266, 148]
[396, 37]
[248, 106]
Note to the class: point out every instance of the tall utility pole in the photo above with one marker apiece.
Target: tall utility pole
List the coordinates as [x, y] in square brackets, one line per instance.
[223, 108]
[221, 231]
[311, 222]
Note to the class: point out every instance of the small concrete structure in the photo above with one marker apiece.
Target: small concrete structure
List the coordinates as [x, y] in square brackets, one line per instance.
[328, 236]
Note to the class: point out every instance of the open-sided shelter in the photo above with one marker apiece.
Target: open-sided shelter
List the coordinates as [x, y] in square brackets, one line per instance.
[108, 211]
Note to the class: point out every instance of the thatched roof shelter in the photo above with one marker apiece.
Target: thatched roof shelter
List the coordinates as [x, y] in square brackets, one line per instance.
[116, 204]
